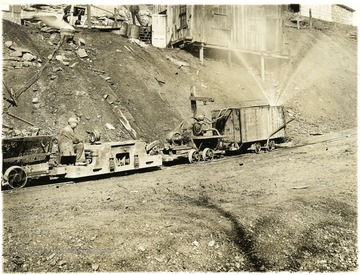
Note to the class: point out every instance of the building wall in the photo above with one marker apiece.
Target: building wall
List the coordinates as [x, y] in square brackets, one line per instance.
[342, 15]
[331, 13]
[322, 12]
[253, 28]
[258, 28]
[212, 24]
[177, 32]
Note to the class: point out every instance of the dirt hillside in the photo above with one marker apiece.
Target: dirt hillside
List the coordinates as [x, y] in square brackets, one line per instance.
[321, 83]
[146, 89]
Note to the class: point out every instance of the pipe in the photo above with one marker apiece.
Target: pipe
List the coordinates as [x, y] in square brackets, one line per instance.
[273, 133]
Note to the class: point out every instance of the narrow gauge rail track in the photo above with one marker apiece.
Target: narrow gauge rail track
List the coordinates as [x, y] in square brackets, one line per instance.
[50, 183]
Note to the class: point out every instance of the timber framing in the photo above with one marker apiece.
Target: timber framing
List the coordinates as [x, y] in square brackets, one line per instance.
[265, 54]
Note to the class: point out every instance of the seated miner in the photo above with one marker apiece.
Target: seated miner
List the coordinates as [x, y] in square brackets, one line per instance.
[70, 144]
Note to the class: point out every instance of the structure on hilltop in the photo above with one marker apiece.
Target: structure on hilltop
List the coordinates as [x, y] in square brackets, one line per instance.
[255, 30]
[333, 13]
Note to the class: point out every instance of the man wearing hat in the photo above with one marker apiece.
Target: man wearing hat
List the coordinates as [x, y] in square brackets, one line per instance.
[69, 143]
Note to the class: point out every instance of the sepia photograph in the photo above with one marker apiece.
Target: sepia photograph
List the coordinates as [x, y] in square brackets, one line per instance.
[193, 137]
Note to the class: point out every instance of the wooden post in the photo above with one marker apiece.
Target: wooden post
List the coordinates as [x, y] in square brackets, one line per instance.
[298, 21]
[310, 19]
[88, 8]
[202, 53]
[262, 60]
[193, 102]
[115, 17]
[72, 15]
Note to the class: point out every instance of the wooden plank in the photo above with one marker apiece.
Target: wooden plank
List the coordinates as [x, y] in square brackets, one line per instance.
[19, 118]
[202, 53]
[269, 55]
[201, 98]
[88, 16]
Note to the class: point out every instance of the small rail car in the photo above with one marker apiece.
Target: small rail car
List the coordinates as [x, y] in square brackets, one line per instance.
[255, 127]
[230, 129]
[33, 157]
[196, 141]
[25, 158]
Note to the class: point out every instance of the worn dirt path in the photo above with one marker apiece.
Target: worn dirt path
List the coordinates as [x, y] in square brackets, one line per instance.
[290, 209]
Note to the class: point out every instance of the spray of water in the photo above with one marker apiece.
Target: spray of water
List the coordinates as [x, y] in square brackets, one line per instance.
[257, 80]
[281, 99]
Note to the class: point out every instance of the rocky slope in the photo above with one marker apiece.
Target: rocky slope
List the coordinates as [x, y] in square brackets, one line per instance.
[126, 90]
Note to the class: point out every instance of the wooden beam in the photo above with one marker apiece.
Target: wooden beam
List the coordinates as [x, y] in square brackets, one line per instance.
[298, 21]
[11, 94]
[115, 17]
[19, 118]
[72, 15]
[265, 54]
[201, 98]
[88, 7]
[202, 53]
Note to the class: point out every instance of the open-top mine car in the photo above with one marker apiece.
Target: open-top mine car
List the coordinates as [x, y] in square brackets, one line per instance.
[25, 158]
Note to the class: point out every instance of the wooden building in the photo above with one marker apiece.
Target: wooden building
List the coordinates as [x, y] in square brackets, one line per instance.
[251, 29]
[333, 13]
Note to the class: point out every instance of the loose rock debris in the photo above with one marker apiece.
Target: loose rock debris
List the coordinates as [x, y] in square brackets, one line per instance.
[81, 53]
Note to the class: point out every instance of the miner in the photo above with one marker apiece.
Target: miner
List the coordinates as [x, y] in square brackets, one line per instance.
[69, 143]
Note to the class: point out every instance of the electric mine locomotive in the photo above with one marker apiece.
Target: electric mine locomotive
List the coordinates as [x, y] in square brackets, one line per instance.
[33, 157]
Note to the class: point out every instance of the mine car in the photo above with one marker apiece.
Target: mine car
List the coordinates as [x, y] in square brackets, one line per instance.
[256, 127]
[33, 157]
[25, 158]
[230, 129]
